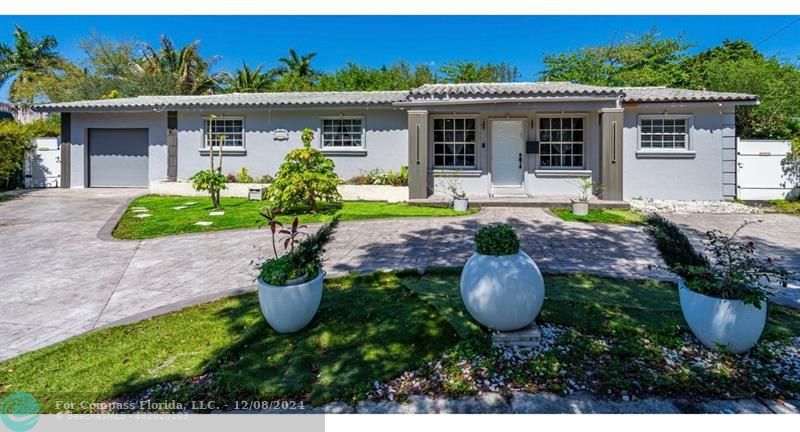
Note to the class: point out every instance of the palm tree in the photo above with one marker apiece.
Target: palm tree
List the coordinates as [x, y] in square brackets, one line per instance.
[249, 80]
[29, 59]
[297, 65]
[188, 69]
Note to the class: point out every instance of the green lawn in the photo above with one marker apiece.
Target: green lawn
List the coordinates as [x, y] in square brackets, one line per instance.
[617, 216]
[165, 220]
[791, 207]
[368, 328]
[373, 328]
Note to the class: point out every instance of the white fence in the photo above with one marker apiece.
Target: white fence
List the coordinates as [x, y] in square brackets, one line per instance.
[42, 166]
[758, 170]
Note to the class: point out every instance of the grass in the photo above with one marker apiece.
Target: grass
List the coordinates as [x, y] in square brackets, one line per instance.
[373, 328]
[791, 207]
[242, 213]
[615, 216]
[368, 328]
[618, 329]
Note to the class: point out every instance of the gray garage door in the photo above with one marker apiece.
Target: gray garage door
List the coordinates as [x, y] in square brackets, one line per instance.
[118, 157]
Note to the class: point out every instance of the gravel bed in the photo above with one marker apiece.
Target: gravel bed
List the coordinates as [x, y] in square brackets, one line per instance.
[691, 207]
[770, 360]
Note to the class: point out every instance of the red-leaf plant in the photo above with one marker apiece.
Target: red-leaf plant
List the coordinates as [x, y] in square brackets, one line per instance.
[292, 235]
[270, 216]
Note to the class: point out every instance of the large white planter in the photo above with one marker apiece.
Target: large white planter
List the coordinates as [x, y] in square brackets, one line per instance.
[460, 204]
[580, 208]
[289, 308]
[502, 292]
[719, 322]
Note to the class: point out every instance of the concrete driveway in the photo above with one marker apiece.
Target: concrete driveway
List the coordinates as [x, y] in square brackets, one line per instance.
[777, 236]
[59, 279]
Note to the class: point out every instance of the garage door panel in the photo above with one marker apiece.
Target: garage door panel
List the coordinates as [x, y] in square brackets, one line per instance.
[118, 157]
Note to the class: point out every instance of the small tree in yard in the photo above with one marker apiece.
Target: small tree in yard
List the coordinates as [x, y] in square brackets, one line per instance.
[305, 178]
[212, 179]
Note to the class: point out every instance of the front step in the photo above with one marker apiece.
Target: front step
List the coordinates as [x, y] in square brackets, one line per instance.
[508, 192]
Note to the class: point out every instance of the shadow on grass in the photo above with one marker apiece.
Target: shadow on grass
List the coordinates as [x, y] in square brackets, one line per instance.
[368, 329]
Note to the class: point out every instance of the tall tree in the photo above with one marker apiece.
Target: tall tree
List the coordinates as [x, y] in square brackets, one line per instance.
[643, 60]
[189, 70]
[298, 65]
[398, 76]
[247, 80]
[28, 61]
[469, 71]
[736, 66]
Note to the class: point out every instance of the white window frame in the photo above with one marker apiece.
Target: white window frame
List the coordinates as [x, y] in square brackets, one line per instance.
[347, 149]
[206, 147]
[478, 130]
[687, 148]
[584, 143]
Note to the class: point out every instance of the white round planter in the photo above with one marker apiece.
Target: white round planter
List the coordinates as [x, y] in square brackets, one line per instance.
[289, 308]
[460, 204]
[580, 208]
[502, 292]
[719, 322]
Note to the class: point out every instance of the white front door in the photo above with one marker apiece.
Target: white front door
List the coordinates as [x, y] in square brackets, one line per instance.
[507, 152]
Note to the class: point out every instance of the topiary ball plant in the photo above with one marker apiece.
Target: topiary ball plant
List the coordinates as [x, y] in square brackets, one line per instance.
[501, 286]
[497, 240]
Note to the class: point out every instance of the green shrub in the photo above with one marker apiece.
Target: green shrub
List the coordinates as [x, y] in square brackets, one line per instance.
[15, 141]
[736, 272]
[305, 178]
[378, 177]
[211, 181]
[497, 240]
[673, 244]
[242, 176]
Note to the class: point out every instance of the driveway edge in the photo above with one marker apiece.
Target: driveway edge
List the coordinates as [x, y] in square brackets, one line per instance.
[106, 233]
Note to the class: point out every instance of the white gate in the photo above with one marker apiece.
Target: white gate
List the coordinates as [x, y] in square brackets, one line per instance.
[758, 170]
[43, 164]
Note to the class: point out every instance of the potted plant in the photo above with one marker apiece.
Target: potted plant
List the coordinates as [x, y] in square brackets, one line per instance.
[290, 285]
[725, 301]
[453, 187]
[586, 187]
[501, 286]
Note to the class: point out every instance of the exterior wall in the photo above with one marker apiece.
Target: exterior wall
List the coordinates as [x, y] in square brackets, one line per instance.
[385, 141]
[697, 176]
[154, 122]
[538, 182]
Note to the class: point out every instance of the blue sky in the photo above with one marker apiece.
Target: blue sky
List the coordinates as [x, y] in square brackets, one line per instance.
[377, 40]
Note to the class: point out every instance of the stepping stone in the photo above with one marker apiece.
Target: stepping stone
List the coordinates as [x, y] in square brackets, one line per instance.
[190, 203]
[527, 337]
[216, 213]
[179, 207]
[139, 210]
[203, 223]
[143, 215]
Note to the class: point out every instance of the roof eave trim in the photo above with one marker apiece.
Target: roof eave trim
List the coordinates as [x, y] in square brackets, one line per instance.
[742, 101]
[164, 108]
[425, 102]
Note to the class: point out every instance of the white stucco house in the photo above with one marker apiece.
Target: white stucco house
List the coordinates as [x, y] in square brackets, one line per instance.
[527, 139]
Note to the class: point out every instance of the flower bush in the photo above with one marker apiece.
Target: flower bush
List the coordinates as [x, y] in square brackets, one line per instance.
[497, 240]
[735, 271]
[305, 178]
[378, 177]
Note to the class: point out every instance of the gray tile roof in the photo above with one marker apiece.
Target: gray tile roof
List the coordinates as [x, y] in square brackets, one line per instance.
[490, 90]
[232, 100]
[664, 94]
[429, 93]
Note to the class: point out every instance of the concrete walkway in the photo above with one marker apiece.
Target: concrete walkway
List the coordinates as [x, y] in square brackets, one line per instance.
[58, 279]
[776, 236]
[549, 403]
